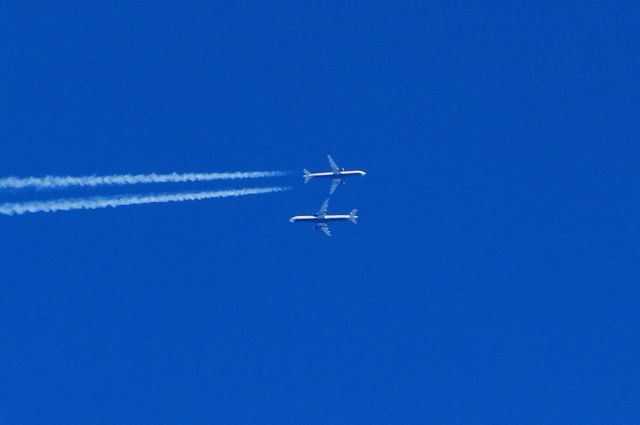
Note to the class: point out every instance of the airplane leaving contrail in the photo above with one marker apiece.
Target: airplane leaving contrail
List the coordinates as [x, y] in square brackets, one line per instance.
[119, 201]
[52, 182]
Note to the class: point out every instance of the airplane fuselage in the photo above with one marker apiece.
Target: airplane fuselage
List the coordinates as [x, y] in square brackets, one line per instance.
[338, 174]
[322, 219]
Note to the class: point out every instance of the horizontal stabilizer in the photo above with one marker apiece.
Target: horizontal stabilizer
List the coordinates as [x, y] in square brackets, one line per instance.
[307, 175]
[353, 217]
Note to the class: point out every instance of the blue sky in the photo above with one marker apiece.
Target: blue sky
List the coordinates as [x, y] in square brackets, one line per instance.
[492, 278]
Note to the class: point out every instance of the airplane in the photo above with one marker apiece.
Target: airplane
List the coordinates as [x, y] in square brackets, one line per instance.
[336, 174]
[321, 218]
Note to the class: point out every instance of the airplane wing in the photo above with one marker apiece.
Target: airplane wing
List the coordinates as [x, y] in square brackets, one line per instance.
[323, 208]
[334, 185]
[324, 228]
[332, 163]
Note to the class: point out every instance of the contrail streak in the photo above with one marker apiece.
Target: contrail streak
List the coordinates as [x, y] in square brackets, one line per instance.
[119, 201]
[52, 182]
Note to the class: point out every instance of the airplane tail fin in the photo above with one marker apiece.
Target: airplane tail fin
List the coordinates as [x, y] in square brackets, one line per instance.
[353, 217]
[306, 175]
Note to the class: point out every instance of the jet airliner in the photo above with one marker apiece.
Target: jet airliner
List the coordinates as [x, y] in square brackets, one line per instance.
[336, 174]
[321, 218]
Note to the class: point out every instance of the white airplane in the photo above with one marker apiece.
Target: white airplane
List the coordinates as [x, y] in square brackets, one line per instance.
[336, 174]
[321, 218]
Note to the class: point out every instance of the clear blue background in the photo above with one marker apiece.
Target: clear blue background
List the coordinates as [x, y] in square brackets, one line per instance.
[492, 279]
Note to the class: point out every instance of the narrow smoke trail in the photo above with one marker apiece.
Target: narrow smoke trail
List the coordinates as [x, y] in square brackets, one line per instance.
[51, 182]
[119, 201]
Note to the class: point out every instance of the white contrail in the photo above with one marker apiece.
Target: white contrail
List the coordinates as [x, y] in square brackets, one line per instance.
[51, 182]
[119, 201]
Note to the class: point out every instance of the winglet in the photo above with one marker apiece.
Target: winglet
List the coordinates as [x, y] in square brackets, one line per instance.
[307, 175]
[353, 217]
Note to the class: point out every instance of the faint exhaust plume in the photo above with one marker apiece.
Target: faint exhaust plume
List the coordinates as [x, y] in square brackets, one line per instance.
[55, 205]
[53, 182]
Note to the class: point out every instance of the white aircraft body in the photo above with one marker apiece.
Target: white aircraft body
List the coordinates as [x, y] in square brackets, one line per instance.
[321, 218]
[337, 175]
